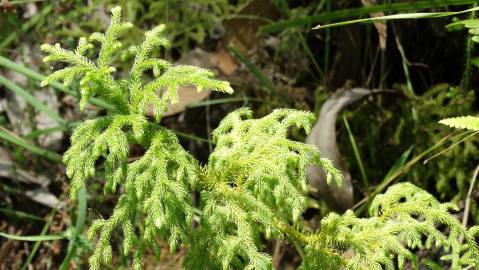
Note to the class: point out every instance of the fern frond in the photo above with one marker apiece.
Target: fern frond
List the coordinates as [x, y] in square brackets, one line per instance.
[465, 122]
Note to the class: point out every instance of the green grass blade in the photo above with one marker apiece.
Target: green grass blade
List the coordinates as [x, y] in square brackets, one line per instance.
[304, 21]
[432, 265]
[222, 101]
[73, 245]
[19, 214]
[82, 204]
[357, 155]
[17, 90]
[33, 238]
[404, 16]
[38, 243]
[470, 48]
[18, 2]
[327, 42]
[36, 133]
[398, 164]
[191, 137]
[11, 137]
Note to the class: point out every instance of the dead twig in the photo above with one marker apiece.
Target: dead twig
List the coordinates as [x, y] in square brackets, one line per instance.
[277, 254]
[468, 201]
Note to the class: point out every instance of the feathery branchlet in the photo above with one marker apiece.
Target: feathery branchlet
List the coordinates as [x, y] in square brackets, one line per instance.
[256, 179]
[157, 186]
[403, 219]
[465, 122]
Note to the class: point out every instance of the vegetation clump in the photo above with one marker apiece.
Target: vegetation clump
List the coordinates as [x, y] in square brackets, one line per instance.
[252, 188]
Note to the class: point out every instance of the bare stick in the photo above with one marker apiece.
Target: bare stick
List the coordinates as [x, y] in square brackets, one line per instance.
[468, 200]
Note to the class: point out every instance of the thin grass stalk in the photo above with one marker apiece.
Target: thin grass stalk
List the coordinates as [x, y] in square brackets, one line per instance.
[357, 154]
[469, 49]
[358, 12]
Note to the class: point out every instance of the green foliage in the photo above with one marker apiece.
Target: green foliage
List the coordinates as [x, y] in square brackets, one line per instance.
[256, 181]
[464, 122]
[441, 101]
[472, 25]
[412, 122]
[165, 165]
[400, 221]
[189, 22]
[110, 135]
[253, 187]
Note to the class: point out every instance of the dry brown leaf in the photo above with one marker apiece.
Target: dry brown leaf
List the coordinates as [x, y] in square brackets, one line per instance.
[381, 27]
[242, 30]
[187, 96]
[225, 62]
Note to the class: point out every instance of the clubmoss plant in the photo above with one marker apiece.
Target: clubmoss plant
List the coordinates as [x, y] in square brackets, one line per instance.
[252, 188]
